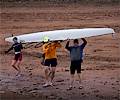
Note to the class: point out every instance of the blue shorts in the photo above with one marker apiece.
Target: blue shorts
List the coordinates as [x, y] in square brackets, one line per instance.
[52, 62]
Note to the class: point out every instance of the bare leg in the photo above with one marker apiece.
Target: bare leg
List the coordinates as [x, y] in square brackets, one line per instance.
[71, 80]
[18, 65]
[13, 65]
[46, 74]
[53, 74]
[80, 80]
[50, 69]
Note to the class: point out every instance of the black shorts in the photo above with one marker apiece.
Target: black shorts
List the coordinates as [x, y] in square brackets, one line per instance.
[43, 56]
[75, 65]
[52, 62]
[18, 57]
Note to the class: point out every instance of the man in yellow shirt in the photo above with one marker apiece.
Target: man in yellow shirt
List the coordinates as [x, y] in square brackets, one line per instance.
[50, 59]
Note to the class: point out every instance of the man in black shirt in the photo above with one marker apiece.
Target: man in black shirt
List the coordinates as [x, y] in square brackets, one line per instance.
[18, 55]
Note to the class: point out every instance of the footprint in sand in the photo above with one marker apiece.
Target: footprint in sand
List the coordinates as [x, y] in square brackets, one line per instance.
[60, 80]
[62, 84]
[51, 97]
[82, 93]
[60, 99]
[33, 91]
[34, 84]
[96, 91]
[105, 83]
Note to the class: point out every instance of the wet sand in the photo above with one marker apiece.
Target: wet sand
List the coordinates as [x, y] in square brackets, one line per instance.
[100, 68]
[11, 96]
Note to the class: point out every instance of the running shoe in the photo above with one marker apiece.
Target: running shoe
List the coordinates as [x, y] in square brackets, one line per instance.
[17, 73]
[46, 85]
[81, 87]
[70, 88]
[50, 84]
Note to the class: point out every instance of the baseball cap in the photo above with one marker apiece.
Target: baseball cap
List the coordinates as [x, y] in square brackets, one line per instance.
[46, 39]
[76, 41]
[15, 38]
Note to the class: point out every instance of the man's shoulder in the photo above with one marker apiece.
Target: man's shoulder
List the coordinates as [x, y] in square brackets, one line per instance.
[53, 43]
[14, 45]
[43, 45]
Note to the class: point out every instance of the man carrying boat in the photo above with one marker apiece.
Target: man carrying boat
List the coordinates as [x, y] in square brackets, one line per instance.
[50, 59]
[76, 53]
[18, 55]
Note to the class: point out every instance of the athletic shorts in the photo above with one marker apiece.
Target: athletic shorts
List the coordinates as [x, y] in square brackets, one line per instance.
[18, 57]
[52, 62]
[75, 65]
